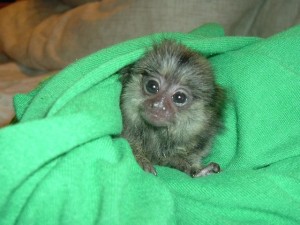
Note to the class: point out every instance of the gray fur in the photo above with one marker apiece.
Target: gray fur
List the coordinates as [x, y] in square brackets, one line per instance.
[182, 135]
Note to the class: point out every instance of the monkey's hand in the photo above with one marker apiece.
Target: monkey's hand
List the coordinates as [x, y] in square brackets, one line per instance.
[209, 169]
[145, 164]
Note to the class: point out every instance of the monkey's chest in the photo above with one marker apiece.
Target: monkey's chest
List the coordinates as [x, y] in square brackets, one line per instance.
[160, 149]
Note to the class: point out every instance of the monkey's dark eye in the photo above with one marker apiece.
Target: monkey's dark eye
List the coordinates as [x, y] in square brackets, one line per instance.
[151, 86]
[179, 98]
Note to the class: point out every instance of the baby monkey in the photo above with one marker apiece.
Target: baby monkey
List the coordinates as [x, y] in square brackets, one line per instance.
[171, 109]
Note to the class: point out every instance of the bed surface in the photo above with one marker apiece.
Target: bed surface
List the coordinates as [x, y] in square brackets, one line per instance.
[15, 79]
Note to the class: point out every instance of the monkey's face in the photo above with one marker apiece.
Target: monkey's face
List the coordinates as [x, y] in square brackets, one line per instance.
[162, 99]
[169, 85]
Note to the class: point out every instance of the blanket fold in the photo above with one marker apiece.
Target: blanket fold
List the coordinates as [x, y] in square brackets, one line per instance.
[63, 163]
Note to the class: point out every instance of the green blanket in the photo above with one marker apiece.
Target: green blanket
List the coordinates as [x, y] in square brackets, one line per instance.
[62, 163]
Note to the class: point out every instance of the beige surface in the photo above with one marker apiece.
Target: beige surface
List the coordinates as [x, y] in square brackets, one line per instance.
[15, 79]
[49, 34]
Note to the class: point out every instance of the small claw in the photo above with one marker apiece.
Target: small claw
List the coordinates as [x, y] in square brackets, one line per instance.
[208, 170]
[145, 164]
[153, 171]
[148, 167]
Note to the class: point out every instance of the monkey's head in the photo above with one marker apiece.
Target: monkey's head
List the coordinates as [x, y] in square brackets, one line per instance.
[171, 85]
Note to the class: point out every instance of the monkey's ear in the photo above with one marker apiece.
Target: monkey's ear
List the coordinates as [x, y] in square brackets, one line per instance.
[125, 73]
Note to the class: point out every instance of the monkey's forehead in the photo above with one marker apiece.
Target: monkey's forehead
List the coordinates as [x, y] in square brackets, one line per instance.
[172, 51]
[175, 68]
[172, 55]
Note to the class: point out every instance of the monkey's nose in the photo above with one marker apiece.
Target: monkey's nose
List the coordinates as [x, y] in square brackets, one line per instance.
[159, 105]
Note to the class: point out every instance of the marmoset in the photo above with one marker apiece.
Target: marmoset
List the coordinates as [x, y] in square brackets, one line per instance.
[171, 109]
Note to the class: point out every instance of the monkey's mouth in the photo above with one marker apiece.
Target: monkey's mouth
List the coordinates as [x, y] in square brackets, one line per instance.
[156, 118]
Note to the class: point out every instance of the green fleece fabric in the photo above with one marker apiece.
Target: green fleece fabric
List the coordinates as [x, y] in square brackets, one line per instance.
[62, 163]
